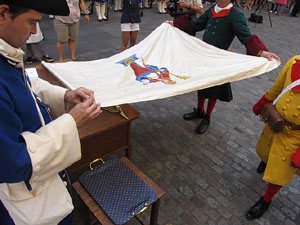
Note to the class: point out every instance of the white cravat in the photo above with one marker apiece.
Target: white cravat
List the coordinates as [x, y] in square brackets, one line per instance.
[218, 9]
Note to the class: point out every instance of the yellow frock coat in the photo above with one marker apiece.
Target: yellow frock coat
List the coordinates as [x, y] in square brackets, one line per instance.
[276, 149]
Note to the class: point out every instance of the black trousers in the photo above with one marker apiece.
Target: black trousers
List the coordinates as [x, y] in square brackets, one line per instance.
[296, 7]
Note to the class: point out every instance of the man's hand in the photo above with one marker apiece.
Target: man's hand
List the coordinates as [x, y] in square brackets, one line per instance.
[86, 18]
[269, 55]
[170, 22]
[85, 111]
[79, 95]
[83, 104]
[83, 8]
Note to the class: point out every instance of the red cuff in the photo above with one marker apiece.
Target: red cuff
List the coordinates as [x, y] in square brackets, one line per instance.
[296, 158]
[254, 45]
[258, 107]
[183, 23]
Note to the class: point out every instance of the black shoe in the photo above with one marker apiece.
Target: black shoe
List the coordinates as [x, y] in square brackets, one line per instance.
[47, 59]
[192, 115]
[204, 124]
[261, 167]
[29, 60]
[258, 209]
[293, 15]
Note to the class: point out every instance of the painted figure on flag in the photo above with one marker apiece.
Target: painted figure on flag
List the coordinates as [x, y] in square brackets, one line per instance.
[148, 73]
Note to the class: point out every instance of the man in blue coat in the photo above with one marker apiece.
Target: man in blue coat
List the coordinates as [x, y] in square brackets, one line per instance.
[38, 138]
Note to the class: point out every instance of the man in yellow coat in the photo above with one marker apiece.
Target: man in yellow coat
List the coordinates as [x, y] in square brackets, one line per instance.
[279, 152]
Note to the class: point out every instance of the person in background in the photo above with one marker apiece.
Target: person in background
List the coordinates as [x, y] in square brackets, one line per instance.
[296, 9]
[67, 27]
[34, 41]
[192, 5]
[36, 143]
[118, 5]
[89, 4]
[146, 4]
[130, 21]
[279, 152]
[281, 4]
[100, 6]
[248, 4]
[161, 6]
[272, 5]
[221, 22]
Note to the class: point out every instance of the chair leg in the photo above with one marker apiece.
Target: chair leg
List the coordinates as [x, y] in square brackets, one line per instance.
[84, 213]
[128, 151]
[154, 212]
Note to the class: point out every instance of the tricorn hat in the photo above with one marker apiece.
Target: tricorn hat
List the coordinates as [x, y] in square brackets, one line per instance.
[52, 7]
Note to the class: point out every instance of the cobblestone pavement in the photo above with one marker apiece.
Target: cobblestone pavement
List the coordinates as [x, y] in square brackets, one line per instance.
[211, 178]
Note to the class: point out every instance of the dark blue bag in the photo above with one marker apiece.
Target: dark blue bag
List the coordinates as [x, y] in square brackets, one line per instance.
[117, 190]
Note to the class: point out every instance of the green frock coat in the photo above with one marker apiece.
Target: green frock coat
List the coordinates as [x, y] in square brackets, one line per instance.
[220, 30]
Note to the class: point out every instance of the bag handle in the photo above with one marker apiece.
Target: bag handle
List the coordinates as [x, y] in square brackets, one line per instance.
[142, 210]
[289, 87]
[94, 161]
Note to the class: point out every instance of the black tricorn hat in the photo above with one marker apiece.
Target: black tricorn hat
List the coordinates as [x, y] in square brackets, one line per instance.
[52, 7]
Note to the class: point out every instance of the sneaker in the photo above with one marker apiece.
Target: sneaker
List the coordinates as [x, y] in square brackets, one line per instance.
[28, 60]
[47, 59]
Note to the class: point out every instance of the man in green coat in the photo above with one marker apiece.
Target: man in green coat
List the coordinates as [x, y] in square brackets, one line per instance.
[221, 23]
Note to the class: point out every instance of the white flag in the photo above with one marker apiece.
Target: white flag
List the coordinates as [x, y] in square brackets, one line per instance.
[166, 63]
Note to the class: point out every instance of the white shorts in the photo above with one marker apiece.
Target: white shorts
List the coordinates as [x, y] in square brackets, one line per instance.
[130, 27]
